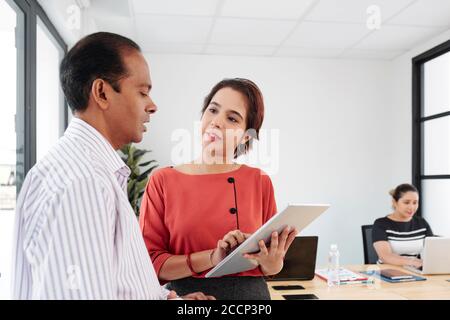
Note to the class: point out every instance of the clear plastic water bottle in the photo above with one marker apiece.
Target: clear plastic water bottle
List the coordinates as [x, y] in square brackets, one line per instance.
[333, 266]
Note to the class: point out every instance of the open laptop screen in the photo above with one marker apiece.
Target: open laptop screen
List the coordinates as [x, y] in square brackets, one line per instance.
[300, 260]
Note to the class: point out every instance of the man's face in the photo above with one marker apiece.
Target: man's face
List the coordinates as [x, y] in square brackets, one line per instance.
[130, 108]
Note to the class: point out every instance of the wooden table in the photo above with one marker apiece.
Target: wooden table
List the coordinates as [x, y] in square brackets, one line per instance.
[436, 287]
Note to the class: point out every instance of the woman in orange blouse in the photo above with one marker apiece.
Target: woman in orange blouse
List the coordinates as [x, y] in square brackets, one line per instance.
[194, 214]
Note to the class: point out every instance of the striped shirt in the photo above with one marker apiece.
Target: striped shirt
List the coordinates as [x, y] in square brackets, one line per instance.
[405, 238]
[76, 235]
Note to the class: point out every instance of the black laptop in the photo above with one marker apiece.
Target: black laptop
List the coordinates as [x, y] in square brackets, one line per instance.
[300, 260]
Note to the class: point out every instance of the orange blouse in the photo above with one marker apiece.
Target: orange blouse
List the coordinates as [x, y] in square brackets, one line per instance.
[182, 213]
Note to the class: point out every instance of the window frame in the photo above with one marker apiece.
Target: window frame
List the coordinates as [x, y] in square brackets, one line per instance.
[32, 10]
[418, 119]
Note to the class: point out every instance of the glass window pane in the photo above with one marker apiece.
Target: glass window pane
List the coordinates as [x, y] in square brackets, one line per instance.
[11, 131]
[49, 97]
[436, 205]
[436, 85]
[437, 146]
[69, 115]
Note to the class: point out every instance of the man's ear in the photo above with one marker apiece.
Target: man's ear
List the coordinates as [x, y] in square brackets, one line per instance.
[99, 93]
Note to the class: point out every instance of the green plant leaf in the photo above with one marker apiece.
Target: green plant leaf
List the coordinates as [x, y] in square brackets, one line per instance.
[141, 186]
[138, 154]
[147, 163]
[137, 181]
[135, 172]
[130, 186]
[125, 149]
[132, 195]
[131, 152]
[145, 173]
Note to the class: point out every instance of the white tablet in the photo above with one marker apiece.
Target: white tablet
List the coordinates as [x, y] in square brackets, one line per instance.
[295, 215]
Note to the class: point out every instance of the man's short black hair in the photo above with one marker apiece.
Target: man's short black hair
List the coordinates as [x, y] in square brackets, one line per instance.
[96, 56]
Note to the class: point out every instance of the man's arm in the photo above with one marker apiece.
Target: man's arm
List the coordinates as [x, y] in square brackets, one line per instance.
[74, 245]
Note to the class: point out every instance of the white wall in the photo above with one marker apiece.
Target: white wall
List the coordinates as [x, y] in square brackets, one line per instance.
[345, 126]
[338, 132]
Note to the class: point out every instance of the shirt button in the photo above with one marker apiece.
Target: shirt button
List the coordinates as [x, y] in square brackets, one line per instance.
[233, 210]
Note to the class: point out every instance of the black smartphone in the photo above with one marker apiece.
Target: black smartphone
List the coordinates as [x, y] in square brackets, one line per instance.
[300, 297]
[289, 287]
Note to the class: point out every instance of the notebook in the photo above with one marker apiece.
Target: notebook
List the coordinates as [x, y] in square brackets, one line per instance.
[345, 276]
[393, 274]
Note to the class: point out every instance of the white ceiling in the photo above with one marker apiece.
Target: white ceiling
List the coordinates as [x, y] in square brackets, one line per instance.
[285, 28]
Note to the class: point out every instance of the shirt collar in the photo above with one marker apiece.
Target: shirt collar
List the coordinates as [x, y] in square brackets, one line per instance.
[97, 143]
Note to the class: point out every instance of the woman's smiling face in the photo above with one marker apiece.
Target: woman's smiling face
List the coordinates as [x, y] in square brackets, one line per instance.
[407, 205]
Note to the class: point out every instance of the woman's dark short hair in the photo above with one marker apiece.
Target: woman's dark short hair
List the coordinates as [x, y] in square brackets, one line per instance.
[96, 56]
[255, 106]
[400, 191]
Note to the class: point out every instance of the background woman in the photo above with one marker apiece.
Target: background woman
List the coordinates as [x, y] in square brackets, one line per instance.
[399, 237]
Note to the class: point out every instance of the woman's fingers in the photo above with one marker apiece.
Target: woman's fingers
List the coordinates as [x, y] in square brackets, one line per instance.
[251, 256]
[234, 238]
[239, 236]
[290, 239]
[274, 242]
[262, 248]
[231, 241]
[283, 237]
[222, 245]
[263, 251]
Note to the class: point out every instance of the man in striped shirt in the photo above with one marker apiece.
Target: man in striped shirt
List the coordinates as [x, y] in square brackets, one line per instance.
[76, 235]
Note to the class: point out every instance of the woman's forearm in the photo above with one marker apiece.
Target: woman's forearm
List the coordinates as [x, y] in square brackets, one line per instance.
[176, 266]
[396, 259]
